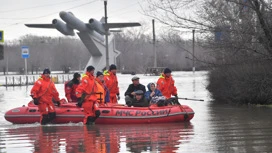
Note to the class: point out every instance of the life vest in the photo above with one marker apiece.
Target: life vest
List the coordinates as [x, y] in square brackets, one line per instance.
[111, 83]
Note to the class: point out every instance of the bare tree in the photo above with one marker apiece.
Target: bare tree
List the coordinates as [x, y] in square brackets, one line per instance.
[229, 28]
[60, 53]
[45, 52]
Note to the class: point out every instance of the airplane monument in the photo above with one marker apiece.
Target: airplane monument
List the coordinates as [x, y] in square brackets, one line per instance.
[91, 34]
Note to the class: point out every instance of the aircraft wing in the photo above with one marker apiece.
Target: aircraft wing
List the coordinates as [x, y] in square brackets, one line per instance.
[115, 30]
[40, 26]
[121, 25]
[109, 25]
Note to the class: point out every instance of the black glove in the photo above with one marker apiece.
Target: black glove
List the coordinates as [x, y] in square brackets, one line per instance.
[58, 103]
[79, 102]
[176, 98]
[36, 101]
[97, 113]
[129, 103]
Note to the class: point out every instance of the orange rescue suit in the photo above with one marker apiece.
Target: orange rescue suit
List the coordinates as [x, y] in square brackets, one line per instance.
[44, 89]
[167, 86]
[88, 87]
[112, 84]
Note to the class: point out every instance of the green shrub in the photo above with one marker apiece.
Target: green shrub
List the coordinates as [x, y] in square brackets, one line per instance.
[248, 83]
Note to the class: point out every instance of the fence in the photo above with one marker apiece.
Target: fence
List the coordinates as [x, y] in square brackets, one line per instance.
[154, 71]
[21, 80]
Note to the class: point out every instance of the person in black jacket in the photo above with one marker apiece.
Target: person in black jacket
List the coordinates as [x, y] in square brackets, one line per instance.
[139, 100]
[70, 88]
[130, 93]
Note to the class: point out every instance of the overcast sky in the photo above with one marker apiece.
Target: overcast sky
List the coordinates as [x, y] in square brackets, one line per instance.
[15, 13]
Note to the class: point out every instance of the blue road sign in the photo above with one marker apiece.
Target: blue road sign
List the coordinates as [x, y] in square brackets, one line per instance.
[1, 36]
[25, 51]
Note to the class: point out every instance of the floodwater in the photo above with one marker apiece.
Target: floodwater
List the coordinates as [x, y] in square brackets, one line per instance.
[214, 128]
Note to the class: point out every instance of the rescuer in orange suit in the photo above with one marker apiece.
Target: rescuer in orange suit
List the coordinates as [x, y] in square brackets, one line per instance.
[112, 83]
[86, 94]
[70, 88]
[43, 92]
[166, 84]
[103, 95]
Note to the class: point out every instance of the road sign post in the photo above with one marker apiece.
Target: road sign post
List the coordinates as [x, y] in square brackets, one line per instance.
[25, 55]
[1, 36]
[1, 44]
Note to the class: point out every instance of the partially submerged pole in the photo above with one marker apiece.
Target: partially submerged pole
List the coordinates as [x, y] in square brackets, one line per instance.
[154, 45]
[106, 35]
[193, 51]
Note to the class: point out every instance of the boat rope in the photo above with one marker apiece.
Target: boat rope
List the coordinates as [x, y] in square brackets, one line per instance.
[68, 110]
[151, 110]
[169, 111]
[186, 116]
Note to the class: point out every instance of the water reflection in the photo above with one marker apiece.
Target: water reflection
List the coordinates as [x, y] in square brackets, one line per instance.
[97, 138]
[194, 86]
[163, 137]
[241, 128]
[1, 96]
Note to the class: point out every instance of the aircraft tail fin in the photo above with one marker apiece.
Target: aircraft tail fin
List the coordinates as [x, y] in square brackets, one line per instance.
[102, 20]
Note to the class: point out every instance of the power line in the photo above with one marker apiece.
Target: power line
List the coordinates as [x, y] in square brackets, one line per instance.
[28, 8]
[51, 13]
[124, 8]
[13, 18]
[81, 5]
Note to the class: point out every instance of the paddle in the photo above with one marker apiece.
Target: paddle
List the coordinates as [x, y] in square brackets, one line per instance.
[191, 99]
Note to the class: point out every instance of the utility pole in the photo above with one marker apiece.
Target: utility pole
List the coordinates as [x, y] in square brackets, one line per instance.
[106, 35]
[193, 51]
[7, 65]
[154, 45]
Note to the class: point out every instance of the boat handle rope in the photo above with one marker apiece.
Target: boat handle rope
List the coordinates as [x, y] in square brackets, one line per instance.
[169, 111]
[151, 110]
[186, 114]
[182, 109]
[68, 110]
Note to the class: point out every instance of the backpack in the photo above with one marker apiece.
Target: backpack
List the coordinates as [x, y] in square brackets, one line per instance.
[155, 99]
[161, 103]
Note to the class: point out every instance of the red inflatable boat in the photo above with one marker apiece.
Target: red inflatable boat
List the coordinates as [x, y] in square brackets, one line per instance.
[111, 114]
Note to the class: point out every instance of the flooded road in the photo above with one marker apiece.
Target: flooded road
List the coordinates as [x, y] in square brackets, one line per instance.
[214, 128]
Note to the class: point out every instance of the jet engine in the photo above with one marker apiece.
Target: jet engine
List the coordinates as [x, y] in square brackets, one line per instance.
[73, 21]
[96, 26]
[63, 28]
